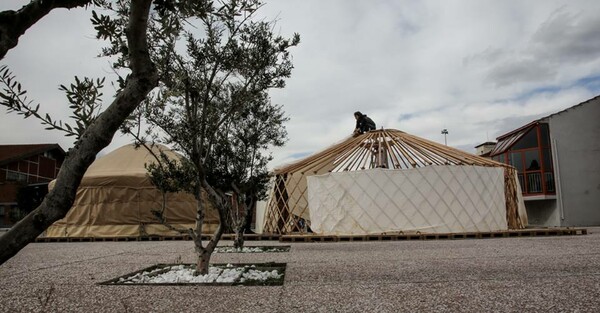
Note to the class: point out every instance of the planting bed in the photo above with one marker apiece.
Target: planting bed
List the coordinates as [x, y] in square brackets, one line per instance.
[252, 249]
[255, 274]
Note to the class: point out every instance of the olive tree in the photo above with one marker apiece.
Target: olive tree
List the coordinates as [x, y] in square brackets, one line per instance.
[213, 67]
[239, 157]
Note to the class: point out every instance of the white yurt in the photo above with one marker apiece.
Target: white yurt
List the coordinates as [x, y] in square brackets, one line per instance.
[116, 199]
[388, 181]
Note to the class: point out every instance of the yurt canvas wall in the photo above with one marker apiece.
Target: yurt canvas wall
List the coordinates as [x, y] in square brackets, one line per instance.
[289, 208]
[432, 199]
[116, 199]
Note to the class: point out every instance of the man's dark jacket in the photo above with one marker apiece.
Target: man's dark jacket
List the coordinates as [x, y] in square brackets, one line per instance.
[365, 124]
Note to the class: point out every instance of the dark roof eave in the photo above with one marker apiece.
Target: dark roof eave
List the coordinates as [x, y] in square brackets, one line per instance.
[528, 125]
[486, 143]
[33, 152]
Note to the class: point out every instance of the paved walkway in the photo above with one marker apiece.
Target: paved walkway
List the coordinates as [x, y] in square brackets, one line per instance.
[539, 274]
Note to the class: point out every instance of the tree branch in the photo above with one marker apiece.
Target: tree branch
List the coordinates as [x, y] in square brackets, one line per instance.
[98, 135]
[14, 24]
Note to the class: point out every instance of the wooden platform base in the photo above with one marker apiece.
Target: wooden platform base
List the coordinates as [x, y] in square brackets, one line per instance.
[417, 236]
[253, 237]
[321, 238]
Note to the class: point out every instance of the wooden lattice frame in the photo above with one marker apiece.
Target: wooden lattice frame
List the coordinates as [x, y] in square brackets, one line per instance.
[385, 148]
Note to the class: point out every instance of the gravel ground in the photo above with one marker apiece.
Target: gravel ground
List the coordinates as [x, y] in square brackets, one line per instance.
[537, 274]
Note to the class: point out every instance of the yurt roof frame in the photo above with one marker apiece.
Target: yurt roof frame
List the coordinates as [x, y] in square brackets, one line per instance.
[402, 149]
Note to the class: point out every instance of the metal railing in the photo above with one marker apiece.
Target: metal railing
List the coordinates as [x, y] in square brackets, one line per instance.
[534, 182]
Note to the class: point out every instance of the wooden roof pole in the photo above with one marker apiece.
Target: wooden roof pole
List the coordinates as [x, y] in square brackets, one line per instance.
[421, 150]
[444, 151]
[391, 152]
[462, 154]
[335, 154]
[362, 155]
[302, 163]
[356, 151]
[399, 146]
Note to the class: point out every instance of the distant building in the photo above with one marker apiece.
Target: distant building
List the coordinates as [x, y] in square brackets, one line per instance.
[557, 158]
[484, 149]
[27, 167]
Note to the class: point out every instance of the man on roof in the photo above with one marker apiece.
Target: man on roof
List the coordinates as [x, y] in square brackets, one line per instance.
[363, 123]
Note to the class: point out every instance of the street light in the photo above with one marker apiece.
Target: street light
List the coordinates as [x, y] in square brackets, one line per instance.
[445, 132]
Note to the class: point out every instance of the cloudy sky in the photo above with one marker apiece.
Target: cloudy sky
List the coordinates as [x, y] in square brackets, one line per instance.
[476, 68]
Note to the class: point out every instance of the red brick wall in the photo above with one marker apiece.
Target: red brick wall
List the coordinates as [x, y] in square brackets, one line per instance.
[8, 191]
[47, 167]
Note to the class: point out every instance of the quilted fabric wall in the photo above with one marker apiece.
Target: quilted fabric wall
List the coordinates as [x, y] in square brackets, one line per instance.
[433, 199]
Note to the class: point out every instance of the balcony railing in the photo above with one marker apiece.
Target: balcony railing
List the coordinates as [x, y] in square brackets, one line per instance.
[534, 182]
[549, 179]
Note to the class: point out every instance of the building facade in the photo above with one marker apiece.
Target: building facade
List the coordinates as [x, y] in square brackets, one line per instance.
[558, 168]
[484, 149]
[25, 171]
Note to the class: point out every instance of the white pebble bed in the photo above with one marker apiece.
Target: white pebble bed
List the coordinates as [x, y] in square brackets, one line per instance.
[247, 250]
[184, 274]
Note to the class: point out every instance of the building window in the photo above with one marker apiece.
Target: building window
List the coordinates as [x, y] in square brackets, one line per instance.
[49, 155]
[529, 152]
[16, 176]
[515, 159]
[527, 141]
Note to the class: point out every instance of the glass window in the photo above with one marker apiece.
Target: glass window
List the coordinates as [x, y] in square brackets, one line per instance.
[516, 160]
[16, 176]
[532, 160]
[49, 155]
[544, 135]
[521, 182]
[547, 157]
[527, 141]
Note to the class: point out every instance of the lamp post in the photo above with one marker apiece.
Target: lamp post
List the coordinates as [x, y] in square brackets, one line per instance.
[445, 132]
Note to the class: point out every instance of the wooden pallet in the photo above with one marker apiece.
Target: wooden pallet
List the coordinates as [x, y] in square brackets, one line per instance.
[252, 237]
[447, 236]
[333, 238]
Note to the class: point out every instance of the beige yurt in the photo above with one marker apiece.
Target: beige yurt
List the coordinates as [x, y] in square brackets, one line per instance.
[116, 199]
[388, 181]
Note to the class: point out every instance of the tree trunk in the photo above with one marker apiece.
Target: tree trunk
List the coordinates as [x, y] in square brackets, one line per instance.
[203, 262]
[238, 241]
[98, 135]
[250, 209]
[205, 253]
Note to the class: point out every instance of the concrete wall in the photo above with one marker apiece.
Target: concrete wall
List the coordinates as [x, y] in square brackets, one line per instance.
[575, 134]
[542, 213]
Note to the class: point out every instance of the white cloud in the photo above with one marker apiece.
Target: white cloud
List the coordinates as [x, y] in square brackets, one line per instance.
[477, 68]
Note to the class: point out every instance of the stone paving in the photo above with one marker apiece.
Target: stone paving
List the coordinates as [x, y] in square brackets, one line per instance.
[537, 274]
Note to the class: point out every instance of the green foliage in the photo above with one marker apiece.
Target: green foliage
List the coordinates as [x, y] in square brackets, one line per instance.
[215, 65]
[240, 153]
[85, 101]
[171, 175]
[84, 97]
